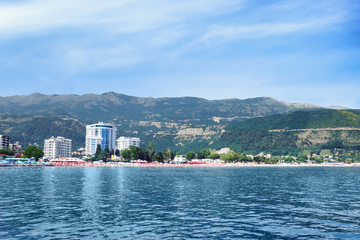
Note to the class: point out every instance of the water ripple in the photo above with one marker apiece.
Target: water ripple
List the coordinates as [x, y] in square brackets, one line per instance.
[161, 203]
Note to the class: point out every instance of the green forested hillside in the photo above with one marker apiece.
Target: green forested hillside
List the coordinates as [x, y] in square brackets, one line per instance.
[302, 120]
[324, 129]
[31, 129]
[182, 124]
[178, 123]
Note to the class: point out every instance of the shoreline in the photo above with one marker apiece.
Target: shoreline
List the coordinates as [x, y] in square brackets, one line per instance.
[231, 165]
[167, 165]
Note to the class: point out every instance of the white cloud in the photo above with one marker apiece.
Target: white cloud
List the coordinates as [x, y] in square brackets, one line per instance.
[125, 16]
[267, 29]
[73, 40]
[116, 33]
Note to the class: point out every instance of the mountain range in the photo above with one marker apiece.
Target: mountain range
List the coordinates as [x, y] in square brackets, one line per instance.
[115, 107]
[185, 123]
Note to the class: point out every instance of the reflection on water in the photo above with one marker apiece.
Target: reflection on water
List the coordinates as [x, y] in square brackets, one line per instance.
[180, 203]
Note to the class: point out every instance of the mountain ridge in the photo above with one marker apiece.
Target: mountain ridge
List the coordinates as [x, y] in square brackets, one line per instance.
[114, 94]
[176, 122]
[111, 105]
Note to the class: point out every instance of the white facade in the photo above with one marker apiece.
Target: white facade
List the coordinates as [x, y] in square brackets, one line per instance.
[102, 134]
[57, 147]
[126, 142]
[179, 159]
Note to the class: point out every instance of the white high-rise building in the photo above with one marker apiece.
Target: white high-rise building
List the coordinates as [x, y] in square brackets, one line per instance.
[57, 147]
[126, 142]
[102, 134]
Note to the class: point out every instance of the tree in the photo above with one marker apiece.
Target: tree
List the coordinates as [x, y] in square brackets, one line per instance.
[317, 160]
[273, 160]
[166, 156]
[259, 159]
[7, 151]
[107, 154]
[117, 152]
[98, 148]
[203, 154]
[301, 158]
[243, 158]
[144, 154]
[214, 156]
[169, 155]
[126, 154]
[172, 155]
[32, 151]
[151, 146]
[99, 154]
[151, 149]
[135, 152]
[190, 155]
[158, 157]
[75, 155]
[227, 157]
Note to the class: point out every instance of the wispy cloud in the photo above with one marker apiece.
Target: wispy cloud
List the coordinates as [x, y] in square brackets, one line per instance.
[116, 34]
[279, 19]
[124, 16]
[269, 29]
[221, 48]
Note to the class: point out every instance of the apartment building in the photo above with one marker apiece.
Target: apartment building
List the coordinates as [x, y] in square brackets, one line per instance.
[126, 142]
[57, 147]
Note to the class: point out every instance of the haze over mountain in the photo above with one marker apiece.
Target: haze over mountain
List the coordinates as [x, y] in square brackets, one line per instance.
[337, 107]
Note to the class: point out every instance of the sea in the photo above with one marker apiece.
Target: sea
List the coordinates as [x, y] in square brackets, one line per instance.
[179, 203]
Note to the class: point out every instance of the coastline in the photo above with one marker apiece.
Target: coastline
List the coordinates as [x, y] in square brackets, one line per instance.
[167, 165]
[240, 165]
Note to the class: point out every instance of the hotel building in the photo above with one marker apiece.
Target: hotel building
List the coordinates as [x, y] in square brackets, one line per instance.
[57, 147]
[126, 142]
[102, 134]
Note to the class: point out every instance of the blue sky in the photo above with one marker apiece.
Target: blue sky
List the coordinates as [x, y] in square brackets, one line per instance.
[295, 50]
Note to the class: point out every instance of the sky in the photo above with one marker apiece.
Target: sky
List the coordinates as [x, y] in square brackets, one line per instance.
[294, 51]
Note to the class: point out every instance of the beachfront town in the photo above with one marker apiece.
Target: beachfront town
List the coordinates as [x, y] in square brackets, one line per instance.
[102, 147]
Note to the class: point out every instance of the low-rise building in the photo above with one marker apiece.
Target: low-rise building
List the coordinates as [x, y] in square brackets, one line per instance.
[179, 159]
[57, 148]
[16, 147]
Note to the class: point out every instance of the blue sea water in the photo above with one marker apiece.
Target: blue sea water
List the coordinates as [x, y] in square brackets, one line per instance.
[179, 203]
